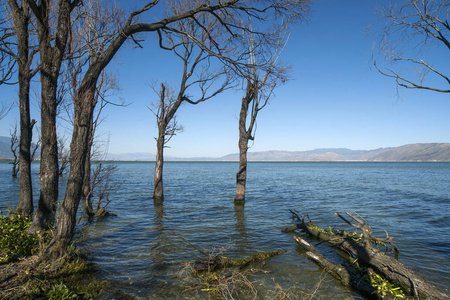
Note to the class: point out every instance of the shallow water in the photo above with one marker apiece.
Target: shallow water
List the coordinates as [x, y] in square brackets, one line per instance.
[140, 253]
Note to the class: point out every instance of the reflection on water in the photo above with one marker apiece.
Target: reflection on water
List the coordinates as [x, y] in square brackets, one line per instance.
[140, 253]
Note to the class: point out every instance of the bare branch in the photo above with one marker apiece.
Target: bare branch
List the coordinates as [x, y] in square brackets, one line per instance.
[409, 24]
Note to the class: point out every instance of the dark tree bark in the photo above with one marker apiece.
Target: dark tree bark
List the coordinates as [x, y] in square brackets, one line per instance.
[343, 273]
[51, 53]
[158, 194]
[86, 195]
[78, 153]
[244, 136]
[24, 58]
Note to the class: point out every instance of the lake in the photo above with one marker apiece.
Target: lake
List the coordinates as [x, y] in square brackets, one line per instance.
[140, 252]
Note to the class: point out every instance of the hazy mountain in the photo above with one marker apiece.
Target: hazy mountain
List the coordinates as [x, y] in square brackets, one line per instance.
[416, 152]
[5, 148]
[411, 152]
[329, 154]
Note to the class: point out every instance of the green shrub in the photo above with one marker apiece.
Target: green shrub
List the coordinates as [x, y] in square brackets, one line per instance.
[60, 292]
[15, 242]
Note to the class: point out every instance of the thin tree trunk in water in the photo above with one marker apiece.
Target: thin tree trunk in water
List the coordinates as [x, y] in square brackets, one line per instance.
[87, 193]
[48, 173]
[158, 193]
[241, 175]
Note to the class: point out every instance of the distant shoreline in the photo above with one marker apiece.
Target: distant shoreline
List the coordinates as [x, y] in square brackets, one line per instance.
[257, 161]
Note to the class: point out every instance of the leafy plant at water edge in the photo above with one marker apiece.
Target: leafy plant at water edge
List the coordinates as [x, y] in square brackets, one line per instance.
[385, 287]
[60, 292]
[14, 240]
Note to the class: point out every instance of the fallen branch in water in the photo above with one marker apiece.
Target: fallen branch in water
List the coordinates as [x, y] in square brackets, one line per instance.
[226, 277]
[361, 247]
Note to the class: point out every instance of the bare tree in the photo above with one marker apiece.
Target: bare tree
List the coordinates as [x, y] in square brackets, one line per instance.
[410, 28]
[97, 149]
[197, 72]
[227, 13]
[17, 43]
[167, 128]
[100, 186]
[260, 79]
[63, 155]
[14, 147]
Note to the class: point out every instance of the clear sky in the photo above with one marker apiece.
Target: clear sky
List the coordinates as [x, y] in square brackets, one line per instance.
[335, 99]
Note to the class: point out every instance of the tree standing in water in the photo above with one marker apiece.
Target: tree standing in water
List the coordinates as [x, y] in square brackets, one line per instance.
[262, 74]
[193, 59]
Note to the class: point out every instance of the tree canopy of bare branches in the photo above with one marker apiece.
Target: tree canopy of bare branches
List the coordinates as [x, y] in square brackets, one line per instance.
[263, 73]
[56, 21]
[199, 74]
[413, 31]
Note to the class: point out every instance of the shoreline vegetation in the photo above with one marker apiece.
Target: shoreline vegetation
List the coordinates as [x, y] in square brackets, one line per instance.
[27, 272]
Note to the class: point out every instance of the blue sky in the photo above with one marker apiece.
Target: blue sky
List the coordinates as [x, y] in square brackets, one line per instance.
[335, 98]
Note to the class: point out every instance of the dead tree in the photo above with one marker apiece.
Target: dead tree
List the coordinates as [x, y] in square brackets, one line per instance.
[100, 186]
[262, 74]
[361, 247]
[408, 25]
[14, 147]
[197, 72]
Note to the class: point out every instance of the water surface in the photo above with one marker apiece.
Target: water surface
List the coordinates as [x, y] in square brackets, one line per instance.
[140, 253]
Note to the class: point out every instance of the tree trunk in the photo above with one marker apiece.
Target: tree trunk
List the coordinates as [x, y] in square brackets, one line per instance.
[78, 153]
[52, 46]
[48, 174]
[86, 191]
[341, 272]
[158, 193]
[241, 175]
[25, 206]
[21, 22]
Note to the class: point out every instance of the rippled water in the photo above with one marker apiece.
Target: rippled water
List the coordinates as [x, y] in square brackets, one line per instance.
[140, 253]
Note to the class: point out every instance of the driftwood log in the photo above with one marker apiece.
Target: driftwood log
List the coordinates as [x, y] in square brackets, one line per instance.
[363, 250]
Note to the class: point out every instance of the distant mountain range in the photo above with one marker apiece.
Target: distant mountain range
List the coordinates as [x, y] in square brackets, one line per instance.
[413, 152]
